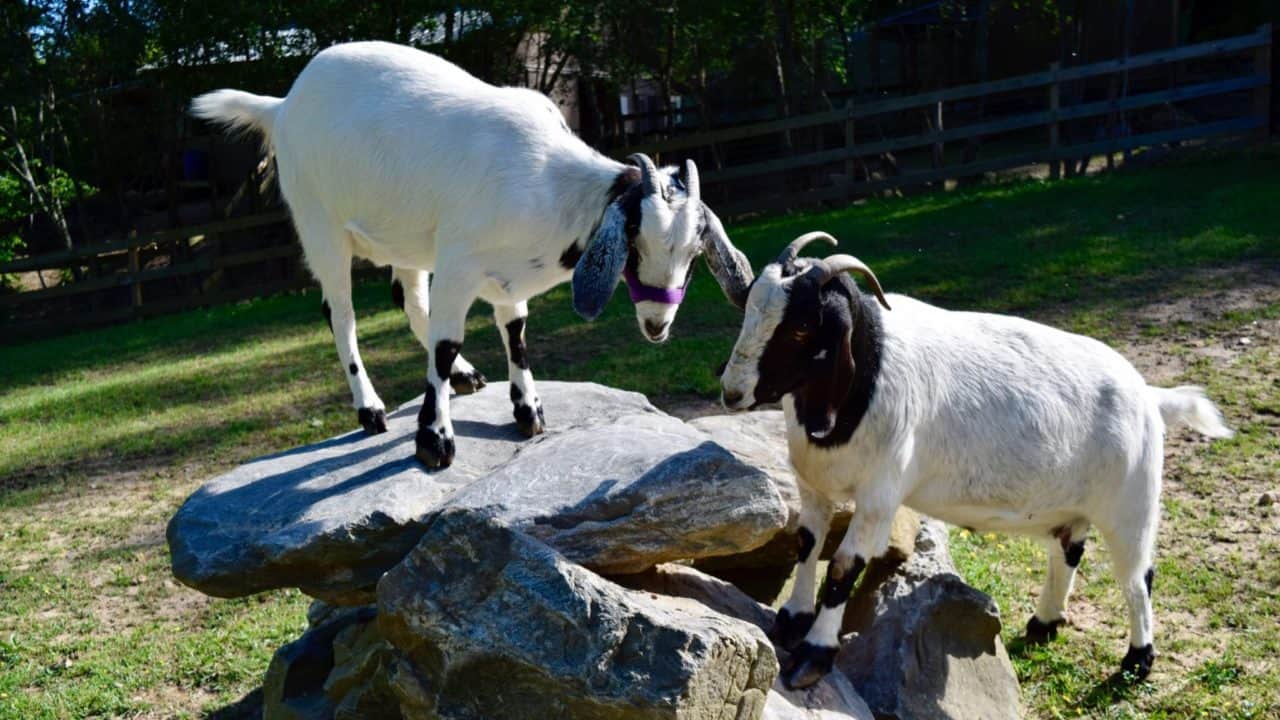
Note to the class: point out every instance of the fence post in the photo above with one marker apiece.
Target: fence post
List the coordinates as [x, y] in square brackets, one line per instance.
[851, 162]
[1055, 101]
[1262, 93]
[938, 159]
[134, 286]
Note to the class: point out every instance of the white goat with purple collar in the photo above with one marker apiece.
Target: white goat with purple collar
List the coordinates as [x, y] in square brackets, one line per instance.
[984, 421]
[398, 156]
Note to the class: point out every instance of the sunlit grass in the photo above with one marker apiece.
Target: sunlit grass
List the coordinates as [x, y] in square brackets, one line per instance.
[103, 433]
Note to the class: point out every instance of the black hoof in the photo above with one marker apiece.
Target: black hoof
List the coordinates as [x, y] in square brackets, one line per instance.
[808, 665]
[373, 420]
[529, 420]
[433, 451]
[1137, 662]
[789, 630]
[1039, 632]
[467, 383]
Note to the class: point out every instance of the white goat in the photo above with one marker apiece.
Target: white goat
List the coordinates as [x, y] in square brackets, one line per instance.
[398, 156]
[984, 421]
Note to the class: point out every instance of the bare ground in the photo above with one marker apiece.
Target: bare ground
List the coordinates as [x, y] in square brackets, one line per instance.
[122, 513]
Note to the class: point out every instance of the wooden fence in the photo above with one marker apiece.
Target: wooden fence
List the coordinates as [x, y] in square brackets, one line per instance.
[841, 163]
[257, 255]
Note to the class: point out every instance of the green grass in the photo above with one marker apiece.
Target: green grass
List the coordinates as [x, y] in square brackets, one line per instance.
[103, 433]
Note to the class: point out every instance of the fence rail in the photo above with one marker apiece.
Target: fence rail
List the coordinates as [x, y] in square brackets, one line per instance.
[200, 258]
[1258, 81]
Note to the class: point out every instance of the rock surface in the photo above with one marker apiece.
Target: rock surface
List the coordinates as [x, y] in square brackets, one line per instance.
[330, 518]
[712, 592]
[832, 698]
[491, 619]
[931, 645]
[632, 493]
[294, 686]
[759, 439]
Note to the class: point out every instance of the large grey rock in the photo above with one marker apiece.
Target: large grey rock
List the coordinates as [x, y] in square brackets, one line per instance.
[712, 592]
[832, 698]
[495, 624]
[330, 518]
[294, 686]
[928, 645]
[631, 493]
[759, 439]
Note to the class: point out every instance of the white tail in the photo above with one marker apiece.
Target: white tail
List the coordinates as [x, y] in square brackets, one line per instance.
[238, 110]
[1187, 405]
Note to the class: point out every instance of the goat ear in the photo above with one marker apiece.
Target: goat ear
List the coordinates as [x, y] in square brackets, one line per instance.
[726, 262]
[598, 270]
[821, 398]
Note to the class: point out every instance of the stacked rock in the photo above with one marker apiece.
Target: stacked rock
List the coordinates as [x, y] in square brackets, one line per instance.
[552, 578]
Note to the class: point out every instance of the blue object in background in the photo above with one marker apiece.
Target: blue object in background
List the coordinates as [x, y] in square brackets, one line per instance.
[195, 165]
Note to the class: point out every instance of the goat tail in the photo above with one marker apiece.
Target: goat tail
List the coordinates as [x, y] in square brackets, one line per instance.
[238, 110]
[1188, 405]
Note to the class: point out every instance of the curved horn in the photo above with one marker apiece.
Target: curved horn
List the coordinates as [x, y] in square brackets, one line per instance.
[691, 182]
[790, 252]
[837, 264]
[648, 172]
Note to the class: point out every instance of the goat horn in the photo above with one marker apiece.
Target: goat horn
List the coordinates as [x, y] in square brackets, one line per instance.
[837, 264]
[691, 182]
[790, 252]
[648, 173]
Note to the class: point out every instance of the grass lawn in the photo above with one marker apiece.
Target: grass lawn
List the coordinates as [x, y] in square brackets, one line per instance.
[102, 434]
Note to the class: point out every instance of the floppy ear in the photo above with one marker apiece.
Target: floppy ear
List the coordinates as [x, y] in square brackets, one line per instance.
[726, 262]
[820, 399]
[600, 267]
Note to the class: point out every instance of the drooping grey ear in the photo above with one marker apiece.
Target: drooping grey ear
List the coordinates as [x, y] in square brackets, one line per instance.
[598, 270]
[726, 262]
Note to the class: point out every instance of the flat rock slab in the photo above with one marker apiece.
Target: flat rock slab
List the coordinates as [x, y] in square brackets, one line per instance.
[494, 623]
[626, 495]
[330, 518]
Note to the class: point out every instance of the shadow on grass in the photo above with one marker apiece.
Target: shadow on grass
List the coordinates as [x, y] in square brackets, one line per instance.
[1085, 695]
[248, 707]
[1085, 246]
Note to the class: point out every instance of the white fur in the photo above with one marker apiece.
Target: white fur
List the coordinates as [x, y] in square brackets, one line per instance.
[395, 155]
[994, 423]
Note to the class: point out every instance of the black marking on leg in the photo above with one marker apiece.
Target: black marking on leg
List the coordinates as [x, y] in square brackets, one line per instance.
[328, 314]
[433, 449]
[835, 591]
[516, 393]
[1040, 632]
[355, 369]
[529, 420]
[465, 383]
[397, 293]
[515, 344]
[808, 664]
[446, 352]
[1150, 579]
[806, 541]
[373, 420]
[427, 415]
[569, 258]
[1073, 553]
[789, 630]
[1137, 662]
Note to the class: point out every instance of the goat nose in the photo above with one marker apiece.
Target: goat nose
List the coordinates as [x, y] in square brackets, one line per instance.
[655, 327]
[732, 398]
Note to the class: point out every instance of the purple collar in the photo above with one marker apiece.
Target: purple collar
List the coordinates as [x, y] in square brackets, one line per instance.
[641, 292]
